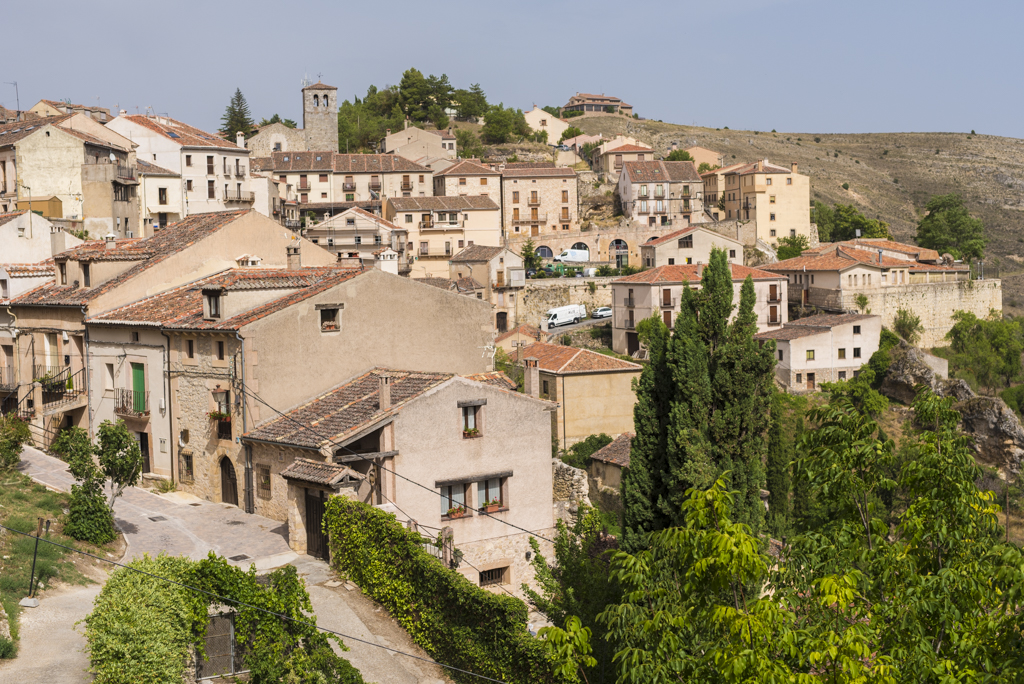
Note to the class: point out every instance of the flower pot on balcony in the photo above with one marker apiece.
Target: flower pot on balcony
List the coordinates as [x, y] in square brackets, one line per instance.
[219, 415]
[458, 512]
[492, 508]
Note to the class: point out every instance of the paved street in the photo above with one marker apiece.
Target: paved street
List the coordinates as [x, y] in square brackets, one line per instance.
[51, 646]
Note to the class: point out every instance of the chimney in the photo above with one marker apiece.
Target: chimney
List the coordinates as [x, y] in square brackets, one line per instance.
[58, 240]
[531, 379]
[879, 256]
[384, 395]
[760, 165]
[406, 122]
[675, 146]
[388, 131]
[294, 258]
[109, 241]
[793, 167]
[449, 130]
[240, 139]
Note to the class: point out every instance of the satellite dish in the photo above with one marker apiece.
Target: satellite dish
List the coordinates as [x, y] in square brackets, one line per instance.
[112, 157]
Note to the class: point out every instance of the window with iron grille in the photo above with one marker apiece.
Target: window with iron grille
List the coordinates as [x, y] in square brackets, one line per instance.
[263, 481]
[494, 576]
[185, 471]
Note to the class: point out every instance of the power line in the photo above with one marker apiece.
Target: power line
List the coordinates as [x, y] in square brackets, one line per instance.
[228, 601]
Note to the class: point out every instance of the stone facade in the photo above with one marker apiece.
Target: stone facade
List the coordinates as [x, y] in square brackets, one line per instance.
[320, 116]
[617, 246]
[570, 488]
[540, 295]
[539, 202]
[276, 138]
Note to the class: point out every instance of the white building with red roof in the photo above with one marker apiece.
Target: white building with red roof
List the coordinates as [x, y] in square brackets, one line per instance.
[691, 245]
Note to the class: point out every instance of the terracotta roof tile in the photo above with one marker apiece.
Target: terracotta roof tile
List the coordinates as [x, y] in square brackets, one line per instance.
[37, 270]
[526, 331]
[543, 172]
[555, 358]
[10, 216]
[319, 472]
[451, 203]
[617, 452]
[477, 253]
[375, 163]
[467, 168]
[496, 378]
[682, 273]
[789, 333]
[654, 171]
[181, 133]
[628, 148]
[13, 132]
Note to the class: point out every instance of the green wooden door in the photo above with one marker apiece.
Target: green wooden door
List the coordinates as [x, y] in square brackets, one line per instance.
[138, 388]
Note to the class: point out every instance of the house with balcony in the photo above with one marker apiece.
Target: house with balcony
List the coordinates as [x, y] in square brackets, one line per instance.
[439, 227]
[501, 273]
[73, 170]
[608, 158]
[661, 193]
[658, 292]
[691, 245]
[414, 143]
[590, 103]
[774, 198]
[357, 234]
[213, 173]
[714, 190]
[538, 199]
[429, 447]
[822, 348]
[468, 177]
[884, 276]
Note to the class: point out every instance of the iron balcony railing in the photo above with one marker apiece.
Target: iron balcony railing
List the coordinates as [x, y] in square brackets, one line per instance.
[440, 225]
[63, 387]
[533, 201]
[630, 301]
[668, 303]
[533, 218]
[304, 185]
[406, 185]
[131, 403]
[434, 251]
[239, 196]
[348, 187]
[630, 325]
[375, 185]
[292, 223]
[239, 170]
[126, 172]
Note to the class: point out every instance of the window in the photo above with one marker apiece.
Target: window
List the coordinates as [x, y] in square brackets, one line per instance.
[86, 277]
[842, 375]
[842, 352]
[323, 177]
[771, 216]
[515, 196]
[856, 330]
[161, 195]
[263, 481]
[780, 355]
[494, 576]
[565, 195]
[772, 232]
[211, 191]
[188, 160]
[771, 199]
[329, 321]
[799, 378]
[462, 181]
[190, 349]
[671, 261]
[323, 195]
[686, 242]
[810, 354]
[470, 425]
[767, 181]
[277, 147]
[63, 268]
[108, 377]
[453, 501]
[789, 181]
[732, 253]
[188, 185]
[408, 218]
[304, 197]
[135, 336]
[544, 388]
[222, 405]
[490, 492]
[209, 165]
[185, 471]
[856, 352]
[220, 350]
[483, 181]
[213, 304]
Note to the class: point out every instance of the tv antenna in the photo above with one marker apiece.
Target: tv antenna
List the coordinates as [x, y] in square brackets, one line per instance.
[17, 98]
[305, 81]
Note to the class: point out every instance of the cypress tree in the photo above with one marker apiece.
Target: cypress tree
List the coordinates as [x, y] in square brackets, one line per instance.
[237, 116]
[801, 515]
[777, 477]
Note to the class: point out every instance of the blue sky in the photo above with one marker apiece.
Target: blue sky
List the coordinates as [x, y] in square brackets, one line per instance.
[793, 65]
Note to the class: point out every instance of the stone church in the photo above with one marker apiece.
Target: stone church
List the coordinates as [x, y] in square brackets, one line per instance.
[319, 126]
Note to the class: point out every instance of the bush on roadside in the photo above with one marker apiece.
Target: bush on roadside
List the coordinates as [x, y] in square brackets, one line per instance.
[14, 435]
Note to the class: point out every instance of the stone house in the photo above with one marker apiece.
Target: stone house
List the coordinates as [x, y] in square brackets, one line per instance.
[232, 340]
[661, 193]
[714, 189]
[538, 120]
[468, 177]
[432, 448]
[438, 227]
[604, 472]
[823, 348]
[415, 143]
[319, 126]
[500, 271]
[48, 108]
[358, 234]
[609, 158]
[658, 291]
[590, 103]
[214, 173]
[593, 391]
[51, 348]
[775, 198]
[72, 169]
[691, 245]
[538, 199]
[882, 276]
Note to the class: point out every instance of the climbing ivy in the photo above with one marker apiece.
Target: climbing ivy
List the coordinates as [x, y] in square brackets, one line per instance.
[453, 620]
[143, 629]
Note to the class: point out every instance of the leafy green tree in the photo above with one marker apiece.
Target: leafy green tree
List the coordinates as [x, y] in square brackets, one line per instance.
[553, 111]
[949, 228]
[986, 351]
[540, 137]
[679, 155]
[236, 117]
[777, 479]
[89, 517]
[71, 443]
[471, 103]
[14, 435]
[119, 456]
[839, 223]
[570, 132]
[588, 149]
[705, 167]
[907, 325]
[792, 246]
[277, 119]
[531, 260]
[437, 117]
[569, 648]
[504, 125]
[468, 144]
[578, 455]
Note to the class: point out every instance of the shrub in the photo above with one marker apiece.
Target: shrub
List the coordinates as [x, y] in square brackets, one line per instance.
[88, 517]
[846, 186]
[817, 139]
[14, 435]
[455, 621]
[71, 443]
[908, 325]
[7, 649]
[1014, 398]
[578, 455]
[592, 286]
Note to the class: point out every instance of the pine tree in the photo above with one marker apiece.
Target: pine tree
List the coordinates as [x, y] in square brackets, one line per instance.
[236, 116]
[777, 478]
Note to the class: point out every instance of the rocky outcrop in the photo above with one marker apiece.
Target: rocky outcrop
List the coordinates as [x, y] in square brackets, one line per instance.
[907, 370]
[570, 488]
[5, 629]
[998, 435]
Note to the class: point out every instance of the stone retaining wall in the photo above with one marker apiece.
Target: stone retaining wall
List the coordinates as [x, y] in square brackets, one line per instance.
[540, 295]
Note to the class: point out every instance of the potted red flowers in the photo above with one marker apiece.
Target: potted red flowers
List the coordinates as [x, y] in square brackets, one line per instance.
[219, 415]
[492, 506]
[456, 512]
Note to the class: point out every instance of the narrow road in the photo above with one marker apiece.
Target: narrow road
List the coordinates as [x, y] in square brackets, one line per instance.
[51, 646]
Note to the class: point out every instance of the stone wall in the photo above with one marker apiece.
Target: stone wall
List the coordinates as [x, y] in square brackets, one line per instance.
[512, 551]
[540, 295]
[569, 488]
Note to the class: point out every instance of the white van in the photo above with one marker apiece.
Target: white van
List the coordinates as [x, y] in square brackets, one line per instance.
[563, 315]
[590, 273]
[574, 255]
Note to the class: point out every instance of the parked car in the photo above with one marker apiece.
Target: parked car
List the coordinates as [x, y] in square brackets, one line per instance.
[531, 272]
[602, 312]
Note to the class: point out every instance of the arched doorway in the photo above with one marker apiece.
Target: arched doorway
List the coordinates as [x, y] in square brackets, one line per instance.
[582, 246]
[619, 251]
[228, 482]
[544, 252]
[502, 322]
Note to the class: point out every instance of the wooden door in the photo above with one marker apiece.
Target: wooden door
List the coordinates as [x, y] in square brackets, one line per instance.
[810, 381]
[534, 231]
[316, 538]
[228, 483]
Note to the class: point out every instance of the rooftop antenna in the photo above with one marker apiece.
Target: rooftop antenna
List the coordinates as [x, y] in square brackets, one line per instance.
[305, 80]
[17, 99]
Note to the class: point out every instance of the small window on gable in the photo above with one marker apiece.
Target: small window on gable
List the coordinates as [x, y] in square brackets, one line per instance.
[329, 321]
[470, 421]
[686, 242]
[408, 218]
[453, 501]
[856, 330]
[491, 494]
[190, 349]
[810, 354]
[220, 350]
[263, 481]
[212, 303]
[86, 276]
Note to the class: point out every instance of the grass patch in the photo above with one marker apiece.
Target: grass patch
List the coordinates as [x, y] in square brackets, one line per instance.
[22, 502]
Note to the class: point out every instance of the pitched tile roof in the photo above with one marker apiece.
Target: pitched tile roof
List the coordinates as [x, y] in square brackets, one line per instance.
[477, 253]
[147, 169]
[723, 170]
[181, 133]
[539, 172]
[654, 171]
[129, 249]
[616, 453]
[10, 216]
[526, 331]
[319, 86]
[299, 160]
[839, 257]
[450, 203]
[628, 148]
[682, 273]
[13, 132]
[555, 358]
[811, 325]
[344, 410]
[467, 168]
[36, 270]
[319, 472]
[439, 283]
[445, 135]
[375, 163]
[260, 164]
[920, 253]
[496, 378]
[182, 307]
[530, 165]
[336, 220]
[674, 235]
[161, 245]
[751, 167]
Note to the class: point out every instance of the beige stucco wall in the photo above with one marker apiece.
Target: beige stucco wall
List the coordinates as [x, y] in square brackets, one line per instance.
[475, 185]
[591, 403]
[826, 365]
[413, 143]
[26, 239]
[539, 120]
[549, 210]
[703, 242]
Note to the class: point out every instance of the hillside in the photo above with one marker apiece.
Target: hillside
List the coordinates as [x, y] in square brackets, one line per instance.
[891, 175]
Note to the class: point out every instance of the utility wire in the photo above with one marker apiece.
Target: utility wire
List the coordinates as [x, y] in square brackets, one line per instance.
[229, 601]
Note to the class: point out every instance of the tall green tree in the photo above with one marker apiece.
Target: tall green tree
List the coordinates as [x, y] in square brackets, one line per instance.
[777, 477]
[504, 125]
[531, 260]
[679, 155]
[570, 132]
[839, 223]
[468, 144]
[237, 117]
[949, 228]
[471, 103]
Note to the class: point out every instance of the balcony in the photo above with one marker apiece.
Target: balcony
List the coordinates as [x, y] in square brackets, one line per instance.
[240, 171]
[348, 187]
[239, 196]
[7, 378]
[643, 210]
[131, 403]
[668, 303]
[663, 210]
[304, 185]
[629, 301]
[533, 201]
[59, 384]
[126, 172]
[406, 185]
[434, 252]
[375, 186]
[538, 218]
[440, 225]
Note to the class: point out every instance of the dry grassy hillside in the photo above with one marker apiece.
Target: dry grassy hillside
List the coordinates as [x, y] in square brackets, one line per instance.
[891, 175]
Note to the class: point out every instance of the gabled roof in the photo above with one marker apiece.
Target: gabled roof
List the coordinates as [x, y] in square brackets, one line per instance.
[840, 257]
[628, 148]
[160, 246]
[913, 251]
[299, 160]
[180, 133]
[538, 172]
[375, 163]
[526, 331]
[320, 472]
[467, 168]
[445, 134]
[616, 453]
[336, 221]
[655, 171]
[676, 234]
[477, 253]
[10, 216]
[689, 273]
[36, 270]
[555, 358]
[147, 169]
[495, 378]
[319, 86]
[811, 325]
[182, 307]
[450, 203]
[344, 410]
[747, 169]
[724, 170]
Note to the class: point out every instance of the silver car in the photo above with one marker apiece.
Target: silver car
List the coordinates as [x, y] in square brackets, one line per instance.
[602, 312]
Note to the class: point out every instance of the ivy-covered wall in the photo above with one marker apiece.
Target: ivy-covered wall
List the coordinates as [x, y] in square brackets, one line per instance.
[453, 620]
